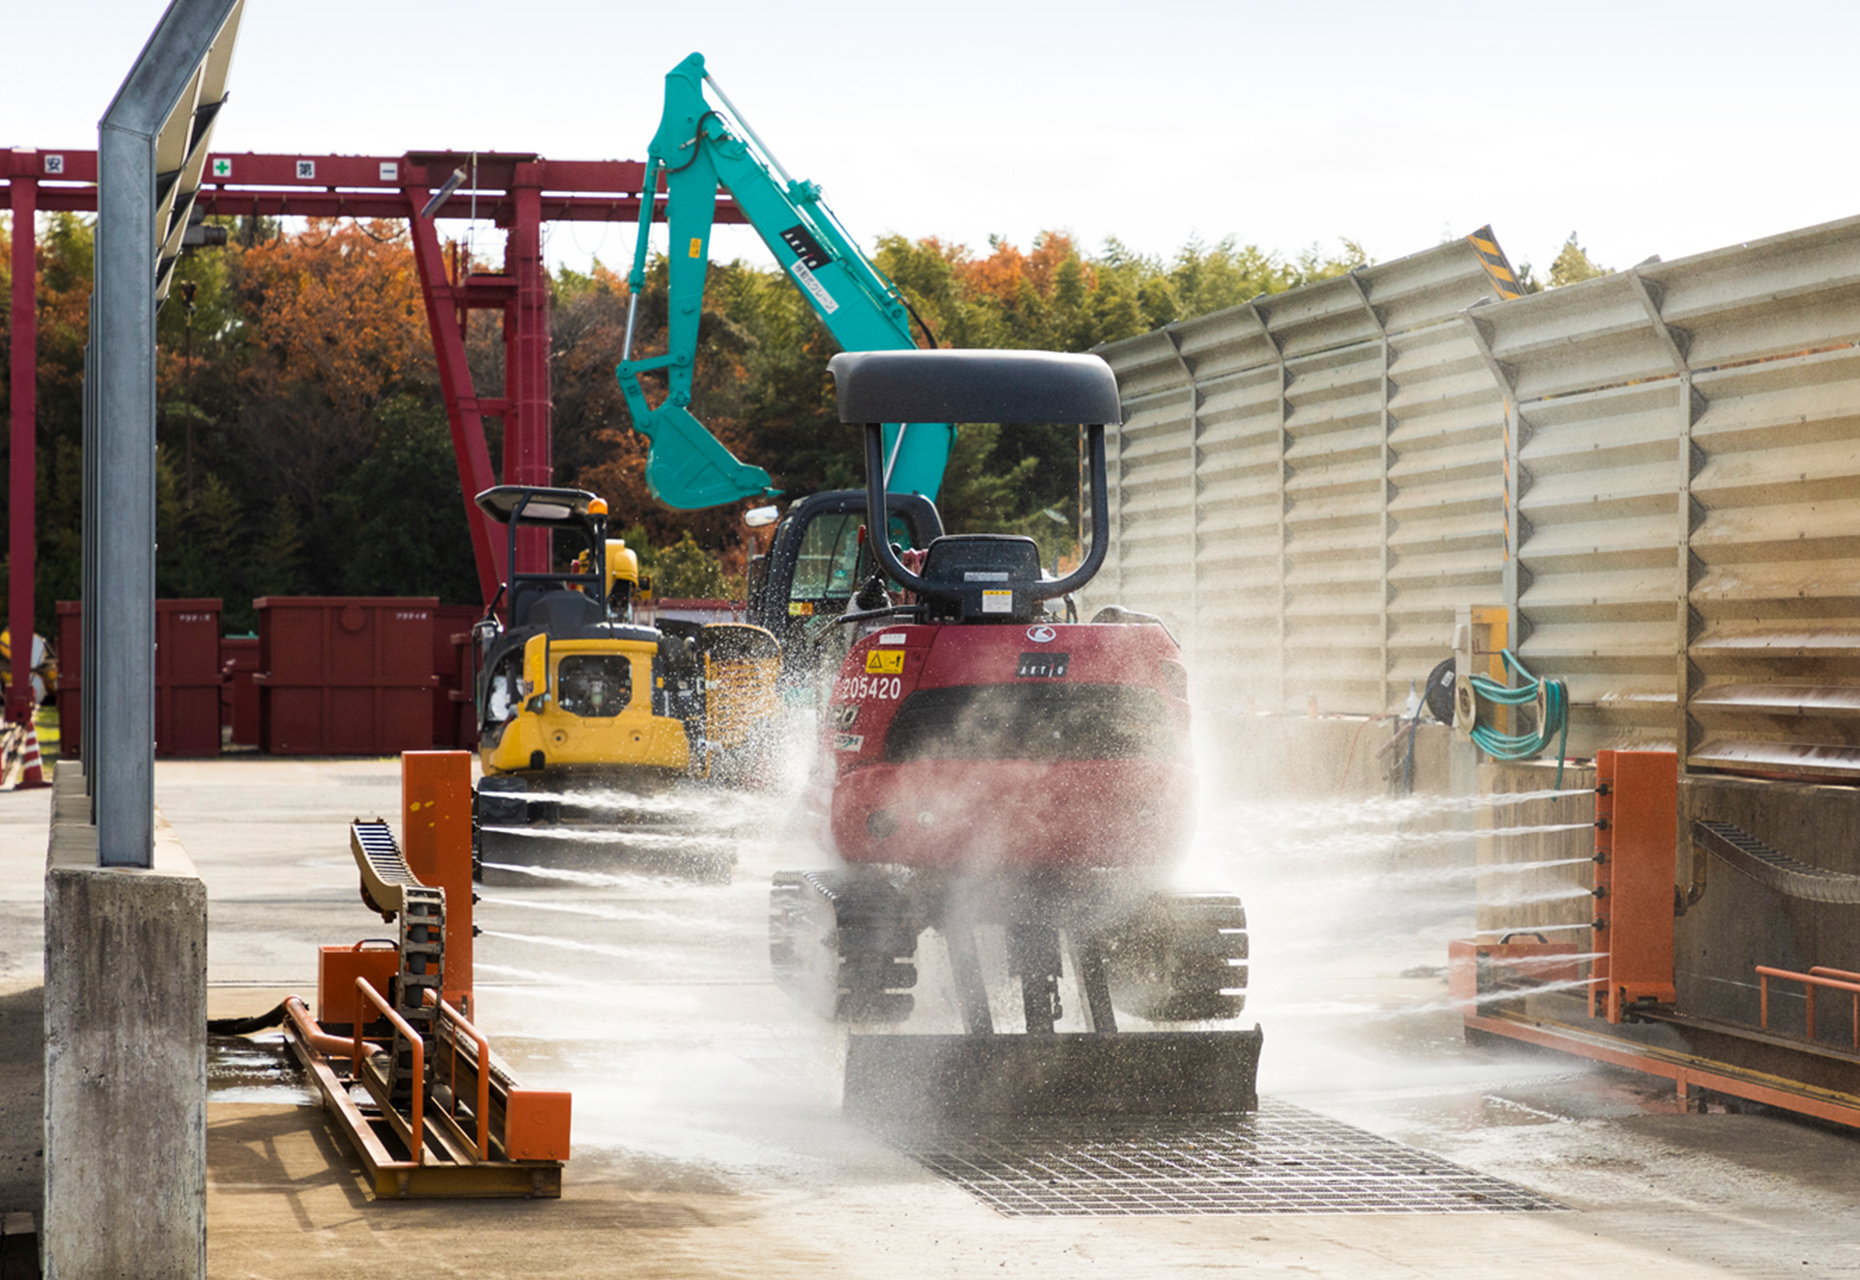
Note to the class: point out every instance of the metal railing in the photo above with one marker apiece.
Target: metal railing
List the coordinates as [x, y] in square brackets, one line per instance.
[1818, 978]
[366, 994]
[482, 1111]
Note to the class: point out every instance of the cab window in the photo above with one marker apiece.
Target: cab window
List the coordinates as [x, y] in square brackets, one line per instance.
[827, 566]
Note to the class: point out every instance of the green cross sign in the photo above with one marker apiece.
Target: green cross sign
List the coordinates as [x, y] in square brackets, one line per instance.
[222, 168]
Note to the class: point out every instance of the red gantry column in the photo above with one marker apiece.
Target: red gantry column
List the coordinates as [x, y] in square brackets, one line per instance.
[21, 538]
[526, 428]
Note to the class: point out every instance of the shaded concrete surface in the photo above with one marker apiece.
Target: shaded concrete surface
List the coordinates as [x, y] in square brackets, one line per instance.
[25, 824]
[707, 1135]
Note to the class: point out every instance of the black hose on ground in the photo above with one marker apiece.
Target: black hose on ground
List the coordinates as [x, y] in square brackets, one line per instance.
[246, 1026]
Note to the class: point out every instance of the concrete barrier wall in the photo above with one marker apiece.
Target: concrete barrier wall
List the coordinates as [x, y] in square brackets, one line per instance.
[125, 1056]
[1738, 923]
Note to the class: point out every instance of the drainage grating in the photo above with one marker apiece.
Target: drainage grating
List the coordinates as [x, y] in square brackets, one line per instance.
[1281, 1159]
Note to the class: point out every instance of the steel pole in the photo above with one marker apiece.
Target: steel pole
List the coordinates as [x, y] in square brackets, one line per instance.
[119, 673]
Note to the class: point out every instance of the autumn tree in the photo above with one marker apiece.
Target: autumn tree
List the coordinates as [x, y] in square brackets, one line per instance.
[303, 446]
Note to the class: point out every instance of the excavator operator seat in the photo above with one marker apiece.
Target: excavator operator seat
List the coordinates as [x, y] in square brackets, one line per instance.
[992, 574]
[560, 613]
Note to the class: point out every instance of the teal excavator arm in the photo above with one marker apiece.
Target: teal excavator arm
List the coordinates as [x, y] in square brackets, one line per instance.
[696, 151]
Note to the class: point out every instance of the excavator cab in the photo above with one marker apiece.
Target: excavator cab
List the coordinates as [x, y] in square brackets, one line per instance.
[818, 560]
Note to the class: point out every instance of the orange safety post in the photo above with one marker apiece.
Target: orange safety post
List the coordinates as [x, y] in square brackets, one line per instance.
[1636, 824]
[435, 824]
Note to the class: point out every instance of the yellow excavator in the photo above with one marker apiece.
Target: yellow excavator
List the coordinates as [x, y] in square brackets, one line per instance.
[600, 738]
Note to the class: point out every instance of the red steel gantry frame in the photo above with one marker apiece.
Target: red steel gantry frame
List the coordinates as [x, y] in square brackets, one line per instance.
[515, 191]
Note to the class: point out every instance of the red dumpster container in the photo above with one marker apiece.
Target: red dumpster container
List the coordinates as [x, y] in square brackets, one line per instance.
[187, 677]
[453, 667]
[345, 676]
[70, 677]
[239, 696]
[465, 698]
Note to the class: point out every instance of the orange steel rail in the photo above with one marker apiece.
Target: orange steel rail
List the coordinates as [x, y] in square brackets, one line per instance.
[365, 992]
[1686, 1071]
[1819, 976]
[394, 1178]
[459, 1023]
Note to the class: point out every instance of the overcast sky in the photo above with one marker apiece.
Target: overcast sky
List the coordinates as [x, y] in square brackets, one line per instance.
[1666, 128]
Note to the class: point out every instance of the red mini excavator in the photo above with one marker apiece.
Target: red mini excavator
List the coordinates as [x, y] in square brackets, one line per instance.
[1020, 787]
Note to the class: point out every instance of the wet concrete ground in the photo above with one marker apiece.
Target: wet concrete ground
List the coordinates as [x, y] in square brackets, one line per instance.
[707, 1135]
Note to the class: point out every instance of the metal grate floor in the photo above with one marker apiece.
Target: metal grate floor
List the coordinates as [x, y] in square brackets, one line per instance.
[1281, 1159]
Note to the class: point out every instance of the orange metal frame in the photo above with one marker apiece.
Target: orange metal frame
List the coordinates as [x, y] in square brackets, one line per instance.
[435, 824]
[1636, 816]
[1636, 820]
[483, 1109]
[1685, 1071]
[436, 827]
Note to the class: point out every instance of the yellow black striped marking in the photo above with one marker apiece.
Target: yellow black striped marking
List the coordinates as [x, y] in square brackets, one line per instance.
[1496, 265]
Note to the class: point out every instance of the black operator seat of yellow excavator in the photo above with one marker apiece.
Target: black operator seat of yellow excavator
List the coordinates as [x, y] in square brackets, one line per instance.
[562, 613]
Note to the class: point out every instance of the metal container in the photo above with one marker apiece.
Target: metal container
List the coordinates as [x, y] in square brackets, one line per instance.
[70, 678]
[454, 724]
[187, 677]
[345, 675]
[238, 695]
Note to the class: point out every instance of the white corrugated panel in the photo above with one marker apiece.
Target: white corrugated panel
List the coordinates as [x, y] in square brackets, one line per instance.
[1598, 581]
[1312, 572]
[1446, 493]
[1691, 453]
[1775, 661]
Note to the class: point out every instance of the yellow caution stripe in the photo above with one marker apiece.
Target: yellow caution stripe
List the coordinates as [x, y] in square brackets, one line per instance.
[1496, 265]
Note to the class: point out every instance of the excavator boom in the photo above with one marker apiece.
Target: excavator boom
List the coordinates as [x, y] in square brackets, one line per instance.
[695, 151]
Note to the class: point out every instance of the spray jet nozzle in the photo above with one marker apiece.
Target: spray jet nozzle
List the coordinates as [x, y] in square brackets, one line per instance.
[1600, 859]
[1601, 824]
[1600, 891]
[1604, 789]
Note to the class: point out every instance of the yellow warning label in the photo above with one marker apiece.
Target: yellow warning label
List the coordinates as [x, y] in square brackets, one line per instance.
[697, 247]
[885, 662]
[800, 608]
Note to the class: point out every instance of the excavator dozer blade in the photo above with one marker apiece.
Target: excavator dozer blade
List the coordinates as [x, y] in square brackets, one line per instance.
[689, 468]
[909, 1079]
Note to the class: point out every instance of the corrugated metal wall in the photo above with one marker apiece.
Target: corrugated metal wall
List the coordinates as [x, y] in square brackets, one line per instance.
[1690, 543]
[1309, 485]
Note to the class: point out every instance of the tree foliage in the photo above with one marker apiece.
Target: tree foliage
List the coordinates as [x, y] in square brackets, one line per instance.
[304, 447]
[1572, 265]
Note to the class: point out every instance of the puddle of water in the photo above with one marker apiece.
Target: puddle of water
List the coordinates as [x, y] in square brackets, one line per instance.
[255, 1068]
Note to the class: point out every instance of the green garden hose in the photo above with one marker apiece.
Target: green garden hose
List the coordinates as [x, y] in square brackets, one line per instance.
[1553, 722]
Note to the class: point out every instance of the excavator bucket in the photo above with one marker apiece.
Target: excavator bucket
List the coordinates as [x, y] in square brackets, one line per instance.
[689, 468]
[914, 1079]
